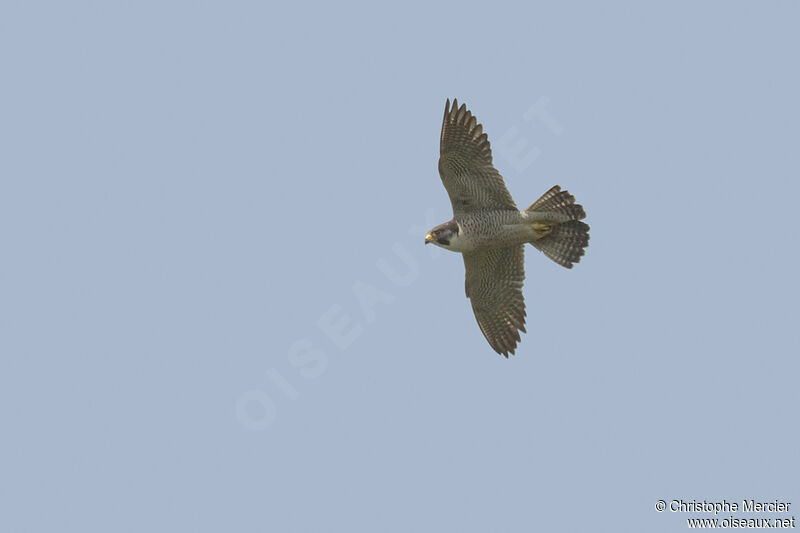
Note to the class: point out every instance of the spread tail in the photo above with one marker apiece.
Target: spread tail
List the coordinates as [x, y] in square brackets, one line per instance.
[566, 235]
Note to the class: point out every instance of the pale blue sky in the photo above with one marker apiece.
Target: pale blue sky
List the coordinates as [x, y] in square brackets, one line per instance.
[217, 312]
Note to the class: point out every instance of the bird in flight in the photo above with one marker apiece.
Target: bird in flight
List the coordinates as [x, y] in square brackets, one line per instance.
[490, 232]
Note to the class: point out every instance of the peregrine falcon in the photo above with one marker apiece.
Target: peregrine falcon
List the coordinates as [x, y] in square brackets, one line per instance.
[490, 232]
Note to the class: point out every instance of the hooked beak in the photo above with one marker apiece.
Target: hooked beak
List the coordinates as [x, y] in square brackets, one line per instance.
[428, 238]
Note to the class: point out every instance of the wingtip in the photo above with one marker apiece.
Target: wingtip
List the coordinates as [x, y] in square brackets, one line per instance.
[454, 108]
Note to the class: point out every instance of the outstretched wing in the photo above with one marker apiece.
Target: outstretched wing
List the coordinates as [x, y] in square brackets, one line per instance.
[465, 164]
[494, 285]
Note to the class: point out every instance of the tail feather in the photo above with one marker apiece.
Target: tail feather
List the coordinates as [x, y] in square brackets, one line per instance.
[546, 198]
[568, 235]
[559, 205]
[565, 244]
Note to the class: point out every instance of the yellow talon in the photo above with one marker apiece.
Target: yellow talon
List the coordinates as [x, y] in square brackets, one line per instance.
[541, 227]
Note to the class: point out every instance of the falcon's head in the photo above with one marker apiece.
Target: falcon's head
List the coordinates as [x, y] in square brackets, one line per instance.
[443, 234]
